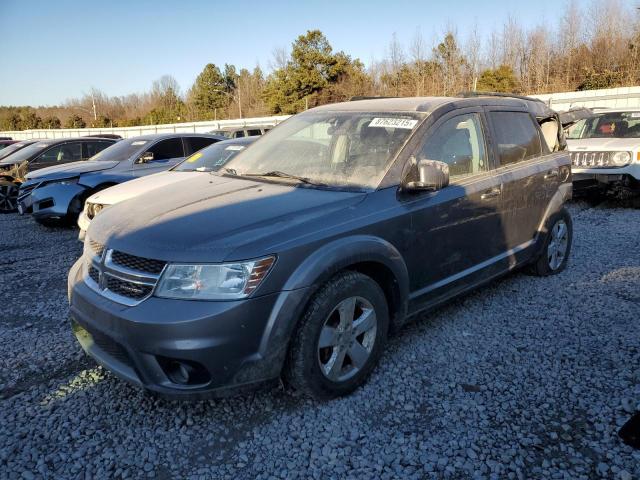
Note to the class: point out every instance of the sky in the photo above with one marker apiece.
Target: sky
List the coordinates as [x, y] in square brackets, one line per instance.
[54, 50]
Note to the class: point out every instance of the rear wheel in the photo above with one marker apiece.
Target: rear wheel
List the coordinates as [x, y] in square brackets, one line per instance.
[557, 247]
[8, 196]
[340, 337]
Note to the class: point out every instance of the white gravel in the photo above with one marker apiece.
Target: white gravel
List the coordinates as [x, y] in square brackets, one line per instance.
[526, 378]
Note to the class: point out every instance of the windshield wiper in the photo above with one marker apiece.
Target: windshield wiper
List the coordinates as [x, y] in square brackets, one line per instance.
[279, 174]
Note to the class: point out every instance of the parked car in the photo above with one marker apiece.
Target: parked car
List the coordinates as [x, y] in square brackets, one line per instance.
[297, 258]
[209, 159]
[605, 152]
[58, 193]
[242, 132]
[14, 147]
[39, 155]
[6, 143]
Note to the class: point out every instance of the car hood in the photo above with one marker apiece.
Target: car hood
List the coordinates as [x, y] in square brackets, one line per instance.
[133, 188]
[212, 219]
[72, 169]
[606, 144]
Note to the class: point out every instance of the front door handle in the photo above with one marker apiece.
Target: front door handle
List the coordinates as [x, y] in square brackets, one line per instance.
[551, 174]
[491, 193]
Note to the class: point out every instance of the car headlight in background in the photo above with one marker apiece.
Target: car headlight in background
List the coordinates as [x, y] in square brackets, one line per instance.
[64, 181]
[225, 281]
[620, 158]
[92, 209]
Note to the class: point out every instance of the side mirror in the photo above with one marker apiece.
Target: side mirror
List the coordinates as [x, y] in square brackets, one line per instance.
[432, 175]
[146, 157]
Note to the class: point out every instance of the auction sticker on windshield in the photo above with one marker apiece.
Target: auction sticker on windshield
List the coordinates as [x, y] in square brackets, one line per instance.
[405, 123]
[194, 157]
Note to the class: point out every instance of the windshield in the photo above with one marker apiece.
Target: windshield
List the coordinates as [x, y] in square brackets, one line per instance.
[336, 149]
[607, 125]
[121, 150]
[26, 153]
[10, 149]
[211, 158]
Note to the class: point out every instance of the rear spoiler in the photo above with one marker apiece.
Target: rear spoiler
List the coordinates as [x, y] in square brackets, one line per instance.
[574, 115]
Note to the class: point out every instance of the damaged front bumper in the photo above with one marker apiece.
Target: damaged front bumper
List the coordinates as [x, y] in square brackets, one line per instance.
[52, 202]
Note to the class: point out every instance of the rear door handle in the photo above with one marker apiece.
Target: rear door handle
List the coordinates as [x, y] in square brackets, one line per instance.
[491, 193]
[551, 174]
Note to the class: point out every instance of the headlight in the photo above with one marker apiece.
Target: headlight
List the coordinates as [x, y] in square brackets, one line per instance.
[64, 181]
[92, 209]
[620, 158]
[226, 281]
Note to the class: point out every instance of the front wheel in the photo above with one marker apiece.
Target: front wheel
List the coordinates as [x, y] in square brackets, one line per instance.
[340, 337]
[557, 246]
[8, 196]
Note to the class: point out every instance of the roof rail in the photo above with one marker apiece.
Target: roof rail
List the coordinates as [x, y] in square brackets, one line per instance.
[364, 97]
[497, 94]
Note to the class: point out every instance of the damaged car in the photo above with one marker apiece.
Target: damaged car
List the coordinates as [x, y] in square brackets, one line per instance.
[605, 153]
[209, 159]
[38, 155]
[57, 194]
[297, 258]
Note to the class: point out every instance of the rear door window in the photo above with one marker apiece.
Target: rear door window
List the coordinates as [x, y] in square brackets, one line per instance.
[63, 153]
[166, 149]
[516, 136]
[253, 133]
[193, 144]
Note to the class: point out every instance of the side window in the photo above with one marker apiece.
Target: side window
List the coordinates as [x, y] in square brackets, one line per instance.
[165, 149]
[238, 134]
[193, 144]
[91, 148]
[516, 136]
[63, 153]
[253, 133]
[458, 142]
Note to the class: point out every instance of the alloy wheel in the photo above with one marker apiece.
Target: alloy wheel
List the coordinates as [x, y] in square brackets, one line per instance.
[557, 249]
[8, 197]
[347, 339]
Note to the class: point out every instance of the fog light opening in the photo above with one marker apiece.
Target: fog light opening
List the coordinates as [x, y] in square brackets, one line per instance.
[184, 372]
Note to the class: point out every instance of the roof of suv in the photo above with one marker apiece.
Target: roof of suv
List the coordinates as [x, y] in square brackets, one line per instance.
[429, 104]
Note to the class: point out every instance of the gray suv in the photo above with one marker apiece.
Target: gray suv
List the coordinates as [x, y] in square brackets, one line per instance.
[298, 258]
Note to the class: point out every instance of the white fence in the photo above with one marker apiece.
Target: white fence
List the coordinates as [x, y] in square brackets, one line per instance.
[127, 132]
[623, 97]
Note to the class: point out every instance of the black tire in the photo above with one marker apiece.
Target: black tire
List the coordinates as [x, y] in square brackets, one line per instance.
[543, 266]
[304, 368]
[8, 196]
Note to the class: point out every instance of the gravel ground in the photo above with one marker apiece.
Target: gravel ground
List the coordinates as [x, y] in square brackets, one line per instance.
[526, 378]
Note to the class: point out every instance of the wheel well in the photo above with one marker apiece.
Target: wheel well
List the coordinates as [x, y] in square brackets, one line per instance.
[384, 277]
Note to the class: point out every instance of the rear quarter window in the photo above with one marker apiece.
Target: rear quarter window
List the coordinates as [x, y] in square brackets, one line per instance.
[516, 136]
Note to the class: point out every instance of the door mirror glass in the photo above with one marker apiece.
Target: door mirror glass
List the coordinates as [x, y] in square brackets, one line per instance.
[146, 157]
[432, 175]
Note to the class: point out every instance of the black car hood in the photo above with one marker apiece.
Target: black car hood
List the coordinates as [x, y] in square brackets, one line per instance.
[213, 219]
[72, 169]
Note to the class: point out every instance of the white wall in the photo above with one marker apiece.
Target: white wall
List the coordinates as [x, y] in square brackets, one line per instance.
[127, 132]
[622, 97]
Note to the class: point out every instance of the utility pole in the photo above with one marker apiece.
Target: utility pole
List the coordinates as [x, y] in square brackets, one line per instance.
[93, 101]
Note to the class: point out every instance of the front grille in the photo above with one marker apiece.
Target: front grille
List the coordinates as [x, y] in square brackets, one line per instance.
[127, 289]
[133, 262]
[593, 159]
[121, 277]
[94, 274]
[111, 347]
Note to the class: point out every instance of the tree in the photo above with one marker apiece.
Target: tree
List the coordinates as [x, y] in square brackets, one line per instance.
[308, 76]
[30, 120]
[51, 122]
[75, 121]
[206, 94]
[502, 79]
[450, 59]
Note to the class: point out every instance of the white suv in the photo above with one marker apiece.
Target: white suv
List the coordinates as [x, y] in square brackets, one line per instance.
[605, 151]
